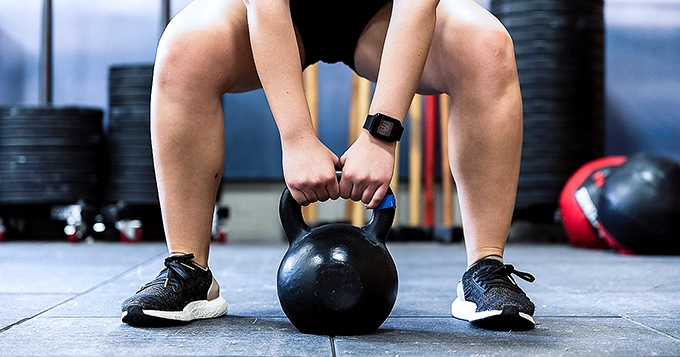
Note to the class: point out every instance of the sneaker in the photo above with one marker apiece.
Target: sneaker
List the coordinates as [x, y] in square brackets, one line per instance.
[181, 293]
[490, 298]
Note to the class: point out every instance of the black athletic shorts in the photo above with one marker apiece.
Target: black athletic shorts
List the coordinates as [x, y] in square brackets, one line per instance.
[330, 29]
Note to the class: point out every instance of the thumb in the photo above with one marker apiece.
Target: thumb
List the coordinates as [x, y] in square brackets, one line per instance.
[340, 163]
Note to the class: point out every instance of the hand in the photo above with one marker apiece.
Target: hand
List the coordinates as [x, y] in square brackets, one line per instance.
[367, 168]
[309, 170]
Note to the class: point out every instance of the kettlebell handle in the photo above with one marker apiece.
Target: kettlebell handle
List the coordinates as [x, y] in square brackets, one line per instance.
[294, 225]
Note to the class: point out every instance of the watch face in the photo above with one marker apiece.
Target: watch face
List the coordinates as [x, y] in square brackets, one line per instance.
[385, 128]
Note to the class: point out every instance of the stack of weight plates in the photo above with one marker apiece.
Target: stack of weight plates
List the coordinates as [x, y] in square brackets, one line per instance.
[50, 155]
[559, 46]
[131, 175]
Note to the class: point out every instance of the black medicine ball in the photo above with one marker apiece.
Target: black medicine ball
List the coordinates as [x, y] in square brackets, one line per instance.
[639, 210]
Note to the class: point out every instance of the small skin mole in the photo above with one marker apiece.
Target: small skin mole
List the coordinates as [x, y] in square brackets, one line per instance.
[217, 174]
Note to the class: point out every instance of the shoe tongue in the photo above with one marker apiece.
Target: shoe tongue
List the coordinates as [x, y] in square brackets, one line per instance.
[486, 262]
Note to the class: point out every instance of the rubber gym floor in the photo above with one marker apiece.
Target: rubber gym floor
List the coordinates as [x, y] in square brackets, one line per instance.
[62, 299]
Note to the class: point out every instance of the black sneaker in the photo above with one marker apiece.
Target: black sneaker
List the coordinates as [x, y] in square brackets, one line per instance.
[181, 293]
[490, 298]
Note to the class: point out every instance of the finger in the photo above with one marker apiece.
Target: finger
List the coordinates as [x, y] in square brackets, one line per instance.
[345, 187]
[311, 195]
[333, 189]
[378, 196]
[357, 192]
[321, 194]
[368, 194]
[299, 196]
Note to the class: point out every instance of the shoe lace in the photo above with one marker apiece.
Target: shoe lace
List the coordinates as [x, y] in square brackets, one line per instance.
[500, 276]
[174, 267]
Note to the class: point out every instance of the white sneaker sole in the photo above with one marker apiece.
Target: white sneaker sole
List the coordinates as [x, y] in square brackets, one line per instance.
[196, 310]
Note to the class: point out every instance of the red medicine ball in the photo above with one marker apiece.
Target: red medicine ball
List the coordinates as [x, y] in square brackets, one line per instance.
[578, 202]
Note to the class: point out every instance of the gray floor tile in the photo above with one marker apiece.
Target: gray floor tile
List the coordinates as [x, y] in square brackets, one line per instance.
[669, 324]
[550, 303]
[228, 336]
[563, 336]
[588, 303]
[69, 268]
[16, 307]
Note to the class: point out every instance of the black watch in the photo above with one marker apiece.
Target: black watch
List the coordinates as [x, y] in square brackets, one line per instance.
[384, 127]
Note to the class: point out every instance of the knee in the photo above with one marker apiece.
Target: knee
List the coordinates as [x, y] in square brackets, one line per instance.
[174, 68]
[484, 55]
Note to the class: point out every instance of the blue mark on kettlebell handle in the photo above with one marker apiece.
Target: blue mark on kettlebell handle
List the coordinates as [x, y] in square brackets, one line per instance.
[388, 202]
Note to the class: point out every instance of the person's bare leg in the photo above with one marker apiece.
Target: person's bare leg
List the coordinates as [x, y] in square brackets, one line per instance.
[204, 53]
[472, 59]
[485, 127]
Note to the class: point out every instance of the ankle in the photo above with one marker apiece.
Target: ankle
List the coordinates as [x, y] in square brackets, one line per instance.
[491, 256]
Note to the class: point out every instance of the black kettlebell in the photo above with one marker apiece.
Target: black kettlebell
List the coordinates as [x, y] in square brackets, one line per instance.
[337, 279]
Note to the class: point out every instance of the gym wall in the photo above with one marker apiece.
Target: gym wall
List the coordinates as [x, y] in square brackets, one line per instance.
[642, 74]
[642, 69]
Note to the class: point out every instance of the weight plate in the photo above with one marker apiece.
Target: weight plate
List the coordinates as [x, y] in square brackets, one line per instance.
[587, 103]
[562, 94]
[130, 160]
[142, 101]
[559, 77]
[127, 165]
[130, 126]
[131, 180]
[129, 146]
[536, 109]
[552, 62]
[53, 194]
[125, 169]
[128, 69]
[520, 36]
[127, 137]
[587, 84]
[134, 198]
[138, 79]
[52, 133]
[118, 93]
[577, 17]
[47, 123]
[552, 6]
[575, 51]
[579, 20]
[58, 175]
[49, 112]
[131, 188]
[549, 43]
[566, 158]
[531, 151]
[128, 110]
[38, 168]
[586, 87]
[49, 158]
[130, 118]
[74, 143]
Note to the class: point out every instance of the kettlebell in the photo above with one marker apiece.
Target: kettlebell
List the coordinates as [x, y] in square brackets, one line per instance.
[337, 278]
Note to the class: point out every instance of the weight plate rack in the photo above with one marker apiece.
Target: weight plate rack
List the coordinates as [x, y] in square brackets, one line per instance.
[50, 158]
[559, 49]
[131, 195]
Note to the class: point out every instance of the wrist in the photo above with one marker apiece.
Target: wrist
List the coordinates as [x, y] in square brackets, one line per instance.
[389, 146]
[297, 137]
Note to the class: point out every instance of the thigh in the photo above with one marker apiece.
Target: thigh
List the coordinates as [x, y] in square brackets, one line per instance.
[206, 47]
[460, 24]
